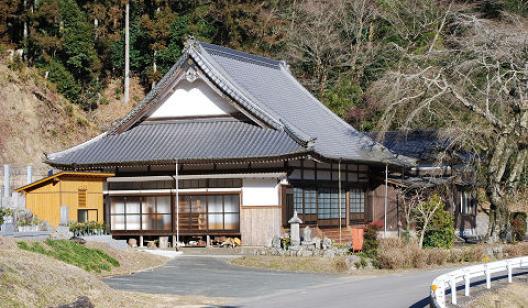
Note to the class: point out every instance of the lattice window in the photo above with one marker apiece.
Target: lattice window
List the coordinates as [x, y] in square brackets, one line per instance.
[81, 196]
[357, 204]
[357, 200]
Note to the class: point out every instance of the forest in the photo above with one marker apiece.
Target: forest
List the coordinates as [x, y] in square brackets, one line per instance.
[457, 66]
[339, 49]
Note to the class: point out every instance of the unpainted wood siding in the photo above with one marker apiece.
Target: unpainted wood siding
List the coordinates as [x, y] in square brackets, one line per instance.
[259, 224]
[45, 201]
[377, 201]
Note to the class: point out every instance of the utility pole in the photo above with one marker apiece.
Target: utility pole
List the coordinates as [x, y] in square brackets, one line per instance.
[25, 33]
[154, 68]
[127, 54]
[385, 201]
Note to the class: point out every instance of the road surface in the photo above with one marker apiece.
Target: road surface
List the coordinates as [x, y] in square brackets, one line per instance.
[214, 277]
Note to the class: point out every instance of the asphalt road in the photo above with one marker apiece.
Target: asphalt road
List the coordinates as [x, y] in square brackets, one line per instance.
[212, 276]
[410, 289]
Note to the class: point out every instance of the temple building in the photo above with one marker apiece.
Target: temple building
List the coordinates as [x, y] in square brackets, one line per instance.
[230, 144]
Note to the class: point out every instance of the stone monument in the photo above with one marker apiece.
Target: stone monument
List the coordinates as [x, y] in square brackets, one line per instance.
[276, 242]
[295, 239]
[326, 244]
[307, 241]
[164, 242]
[307, 234]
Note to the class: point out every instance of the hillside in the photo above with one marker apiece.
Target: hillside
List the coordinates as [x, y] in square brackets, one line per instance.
[23, 273]
[36, 119]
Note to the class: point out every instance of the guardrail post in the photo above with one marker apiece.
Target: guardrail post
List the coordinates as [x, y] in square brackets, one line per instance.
[449, 280]
[442, 298]
[509, 267]
[488, 277]
[466, 285]
[452, 284]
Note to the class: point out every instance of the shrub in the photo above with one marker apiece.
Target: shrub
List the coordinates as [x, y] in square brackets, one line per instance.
[474, 253]
[491, 9]
[393, 254]
[418, 256]
[5, 212]
[86, 228]
[17, 64]
[363, 261]
[517, 250]
[64, 80]
[437, 256]
[285, 242]
[340, 264]
[370, 241]
[518, 223]
[440, 233]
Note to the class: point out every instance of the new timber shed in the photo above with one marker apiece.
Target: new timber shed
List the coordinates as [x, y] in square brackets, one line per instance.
[78, 195]
[230, 144]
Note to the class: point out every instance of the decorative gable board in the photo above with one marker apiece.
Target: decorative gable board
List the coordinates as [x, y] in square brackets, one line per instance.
[192, 99]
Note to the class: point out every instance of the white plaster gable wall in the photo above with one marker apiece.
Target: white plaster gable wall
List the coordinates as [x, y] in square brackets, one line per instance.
[260, 192]
[192, 99]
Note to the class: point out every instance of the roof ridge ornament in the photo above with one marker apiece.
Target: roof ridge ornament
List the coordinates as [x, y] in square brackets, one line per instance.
[191, 75]
[190, 42]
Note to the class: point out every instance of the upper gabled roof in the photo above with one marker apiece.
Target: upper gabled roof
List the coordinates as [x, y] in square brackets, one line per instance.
[266, 92]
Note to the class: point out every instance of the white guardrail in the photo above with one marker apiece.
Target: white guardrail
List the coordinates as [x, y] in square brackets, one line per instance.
[450, 280]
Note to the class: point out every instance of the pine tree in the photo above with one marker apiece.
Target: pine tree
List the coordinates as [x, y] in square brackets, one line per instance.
[11, 20]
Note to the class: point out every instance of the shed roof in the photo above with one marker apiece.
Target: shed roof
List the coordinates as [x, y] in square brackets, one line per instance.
[423, 145]
[64, 174]
[264, 89]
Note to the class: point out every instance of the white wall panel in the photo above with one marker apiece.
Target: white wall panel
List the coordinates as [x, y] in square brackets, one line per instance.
[260, 192]
[192, 99]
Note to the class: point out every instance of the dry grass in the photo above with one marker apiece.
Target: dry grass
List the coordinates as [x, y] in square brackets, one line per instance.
[35, 119]
[115, 109]
[336, 265]
[512, 296]
[33, 280]
[130, 261]
[395, 254]
[517, 250]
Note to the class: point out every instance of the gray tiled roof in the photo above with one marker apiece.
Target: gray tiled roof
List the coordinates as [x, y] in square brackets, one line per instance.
[264, 88]
[424, 145]
[166, 141]
[276, 91]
